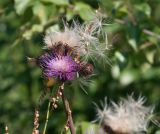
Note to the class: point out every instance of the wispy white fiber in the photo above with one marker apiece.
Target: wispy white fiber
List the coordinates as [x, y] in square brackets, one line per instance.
[128, 116]
[83, 38]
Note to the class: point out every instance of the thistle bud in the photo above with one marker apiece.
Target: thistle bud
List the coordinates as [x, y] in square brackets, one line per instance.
[85, 69]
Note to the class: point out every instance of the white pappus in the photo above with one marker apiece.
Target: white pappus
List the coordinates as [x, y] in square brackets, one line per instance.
[129, 116]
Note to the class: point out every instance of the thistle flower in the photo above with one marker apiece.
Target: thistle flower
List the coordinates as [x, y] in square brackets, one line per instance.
[61, 62]
[127, 117]
[58, 62]
[67, 51]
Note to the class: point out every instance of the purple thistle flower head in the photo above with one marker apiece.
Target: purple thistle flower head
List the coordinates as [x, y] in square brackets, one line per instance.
[62, 67]
[62, 62]
[58, 63]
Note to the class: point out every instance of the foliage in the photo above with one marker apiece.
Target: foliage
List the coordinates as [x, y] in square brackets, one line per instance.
[132, 29]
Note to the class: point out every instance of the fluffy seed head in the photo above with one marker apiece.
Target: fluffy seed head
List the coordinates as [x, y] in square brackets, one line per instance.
[127, 117]
[84, 39]
[85, 69]
[69, 50]
[68, 36]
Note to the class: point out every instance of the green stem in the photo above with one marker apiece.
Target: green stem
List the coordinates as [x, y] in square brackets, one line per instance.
[47, 117]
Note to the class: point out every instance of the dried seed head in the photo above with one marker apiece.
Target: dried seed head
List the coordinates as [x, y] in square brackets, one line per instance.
[84, 39]
[68, 36]
[85, 69]
[127, 117]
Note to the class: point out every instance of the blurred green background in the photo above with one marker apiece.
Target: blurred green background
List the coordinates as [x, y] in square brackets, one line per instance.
[133, 31]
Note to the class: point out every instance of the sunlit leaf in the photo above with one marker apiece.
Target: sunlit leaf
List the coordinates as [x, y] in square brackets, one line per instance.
[115, 71]
[87, 127]
[70, 14]
[84, 10]
[57, 2]
[21, 5]
[44, 12]
[39, 11]
[157, 132]
[128, 76]
[144, 7]
[35, 28]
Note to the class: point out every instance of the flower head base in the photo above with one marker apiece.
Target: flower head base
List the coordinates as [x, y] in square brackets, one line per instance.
[127, 117]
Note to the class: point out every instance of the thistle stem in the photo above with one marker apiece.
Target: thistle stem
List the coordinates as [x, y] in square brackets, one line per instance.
[67, 110]
[47, 117]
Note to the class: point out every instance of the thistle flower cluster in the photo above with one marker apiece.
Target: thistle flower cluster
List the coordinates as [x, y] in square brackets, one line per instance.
[67, 51]
[127, 117]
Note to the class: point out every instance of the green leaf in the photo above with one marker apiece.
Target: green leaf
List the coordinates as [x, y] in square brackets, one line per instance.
[35, 28]
[53, 28]
[128, 76]
[133, 35]
[70, 14]
[112, 27]
[84, 10]
[151, 73]
[83, 127]
[157, 132]
[115, 71]
[120, 56]
[39, 11]
[133, 43]
[57, 2]
[44, 12]
[144, 7]
[21, 5]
